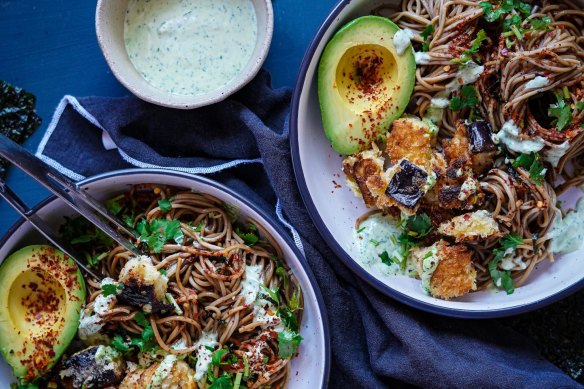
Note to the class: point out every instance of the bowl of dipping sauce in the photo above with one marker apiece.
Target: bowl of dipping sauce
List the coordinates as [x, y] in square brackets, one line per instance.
[184, 53]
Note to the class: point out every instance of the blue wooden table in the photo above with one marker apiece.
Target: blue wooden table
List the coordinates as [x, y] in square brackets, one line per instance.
[49, 48]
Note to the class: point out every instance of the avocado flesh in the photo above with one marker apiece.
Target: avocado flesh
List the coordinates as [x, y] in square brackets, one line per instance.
[41, 295]
[363, 84]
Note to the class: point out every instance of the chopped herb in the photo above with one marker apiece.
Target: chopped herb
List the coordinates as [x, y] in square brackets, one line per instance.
[468, 54]
[158, 231]
[162, 271]
[265, 360]
[503, 279]
[113, 205]
[96, 259]
[540, 24]
[119, 344]
[532, 164]
[494, 12]
[425, 35]
[419, 225]
[374, 242]
[217, 355]
[140, 318]
[222, 382]
[384, 256]
[294, 303]
[562, 112]
[237, 382]
[210, 348]
[580, 105]
[248, 237]
[288, 343]
[245, 366]
[360, 230]
[129, 219]
[110, 289]
[288, 318]
[199, 227]
[164, 205]
[468, 98]
[273, 294]
[146, 340]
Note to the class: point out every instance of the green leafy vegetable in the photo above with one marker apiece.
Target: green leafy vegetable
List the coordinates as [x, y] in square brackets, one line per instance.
[468, 54]
[119, 344]
[146, 340]
[360, 230]
[158, 231]
[217, 355]
[294, 303]
[374, 242]
[540, 24]
[468, 98]
[273, 294]
[113, 205]
[164, 205]
[562, 112]
[532, 163]
[494, 12]
[140, 318]
[86, 239]
[503, 279]
[288, 318]
[249, 237]
[224, 381]
[18, 118]
[288, 343]
[384, 256]
[419, 225]
[429, 30]
[110, 289]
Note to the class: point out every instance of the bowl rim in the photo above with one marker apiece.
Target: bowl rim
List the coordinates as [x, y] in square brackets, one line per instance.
[276, 226]
[337, 248]
[196, 101]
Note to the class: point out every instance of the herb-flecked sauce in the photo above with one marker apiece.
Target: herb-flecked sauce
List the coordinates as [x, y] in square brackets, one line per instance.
[190, 47]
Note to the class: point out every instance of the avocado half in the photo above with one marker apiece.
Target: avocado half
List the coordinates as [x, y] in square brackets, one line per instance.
[41, 295]
[363, 83]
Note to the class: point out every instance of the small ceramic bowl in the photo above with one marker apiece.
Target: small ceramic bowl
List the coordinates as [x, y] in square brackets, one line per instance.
[109, 24]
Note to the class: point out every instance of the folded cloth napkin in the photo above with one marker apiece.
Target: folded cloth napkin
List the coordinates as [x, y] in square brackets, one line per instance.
[243, 143]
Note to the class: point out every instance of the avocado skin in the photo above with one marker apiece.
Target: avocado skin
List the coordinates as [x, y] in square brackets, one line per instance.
[349, 128]
[40, 346]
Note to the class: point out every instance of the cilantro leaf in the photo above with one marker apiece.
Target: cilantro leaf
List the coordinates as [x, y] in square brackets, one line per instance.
[467, 55]
[419, 225]
[288, 318]
[222, 382]
[562, 112]
[113, 205]
[468, 99]
[140, 318]
[272, 293]
[532, 164]
[288, 343]
[217, 355]
[294, 303]
[146, 340]
[158, 231]
[425, 34]
[494, 12]
[384, 256]
[164, 205]
[503, 279]
[119, 344]
[248, 237]
[540, 24]
[110, 289]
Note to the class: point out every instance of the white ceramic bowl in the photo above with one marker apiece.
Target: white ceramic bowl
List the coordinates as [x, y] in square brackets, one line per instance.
[334, 210]
[310, 369]
[109, 25]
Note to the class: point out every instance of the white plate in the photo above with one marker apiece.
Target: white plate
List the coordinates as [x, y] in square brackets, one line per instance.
[310, 369]
[334, 210]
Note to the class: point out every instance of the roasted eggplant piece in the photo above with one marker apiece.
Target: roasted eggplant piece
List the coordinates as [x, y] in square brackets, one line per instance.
[144, 286]
[94, 367]
[407, 185]
[482, 147]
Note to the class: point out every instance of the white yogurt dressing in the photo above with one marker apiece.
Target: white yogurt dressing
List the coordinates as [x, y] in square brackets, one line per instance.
[378, 234]
[430, 262]
[250, 286]
[402, 40]
[190, 47]
[204, 355]
[509, 136]
[556, 152]
[567, 233]
[537, 82]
